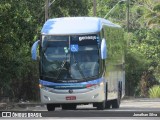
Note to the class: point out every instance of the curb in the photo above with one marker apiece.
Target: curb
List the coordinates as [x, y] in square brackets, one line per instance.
[10, 106]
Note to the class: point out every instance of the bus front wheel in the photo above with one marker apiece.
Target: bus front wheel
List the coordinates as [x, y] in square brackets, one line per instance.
[101, 105]
[50, 107]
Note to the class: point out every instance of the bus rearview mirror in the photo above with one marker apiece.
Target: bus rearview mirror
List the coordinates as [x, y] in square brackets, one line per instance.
[103, 49]
[34, 50]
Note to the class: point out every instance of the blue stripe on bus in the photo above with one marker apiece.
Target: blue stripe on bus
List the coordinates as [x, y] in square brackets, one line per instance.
[46, 83]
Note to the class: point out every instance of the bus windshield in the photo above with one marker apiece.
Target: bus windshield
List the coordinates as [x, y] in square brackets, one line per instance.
[69, 58]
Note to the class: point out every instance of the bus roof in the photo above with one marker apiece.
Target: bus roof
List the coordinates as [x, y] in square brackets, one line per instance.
[74, 25]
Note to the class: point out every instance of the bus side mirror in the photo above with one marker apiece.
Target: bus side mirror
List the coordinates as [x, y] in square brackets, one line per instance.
[34, 50]
[103, 49]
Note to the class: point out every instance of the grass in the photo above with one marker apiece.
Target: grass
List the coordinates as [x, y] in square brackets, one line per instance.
[154, 92]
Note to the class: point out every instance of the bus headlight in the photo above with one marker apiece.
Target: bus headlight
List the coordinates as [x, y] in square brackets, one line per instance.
[45, 88]
[40, 86]
[101, 84]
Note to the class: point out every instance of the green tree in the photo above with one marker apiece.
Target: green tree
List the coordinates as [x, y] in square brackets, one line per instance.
[17, 34]
[145, 41]
[64, 8]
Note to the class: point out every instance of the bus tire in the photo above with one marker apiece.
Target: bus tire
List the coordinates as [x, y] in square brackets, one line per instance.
[50, 107]
[101, 105]
[108, 105]
[116, 102]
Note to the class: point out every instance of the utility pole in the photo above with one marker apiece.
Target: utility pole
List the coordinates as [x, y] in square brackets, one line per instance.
[47, 5]
[128, 1]
[46, 10]
[128, 90]
[94, 7]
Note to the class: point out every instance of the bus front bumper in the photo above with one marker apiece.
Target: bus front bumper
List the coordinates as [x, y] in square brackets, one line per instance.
[78, 97]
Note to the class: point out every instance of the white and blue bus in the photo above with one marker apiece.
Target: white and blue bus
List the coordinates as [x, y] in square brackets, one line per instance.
[81, 61]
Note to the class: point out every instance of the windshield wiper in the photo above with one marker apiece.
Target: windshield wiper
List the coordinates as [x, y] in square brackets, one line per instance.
[62, 67]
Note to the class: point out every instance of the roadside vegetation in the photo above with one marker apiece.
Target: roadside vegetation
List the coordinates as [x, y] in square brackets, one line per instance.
[154, 92]
[21, 22]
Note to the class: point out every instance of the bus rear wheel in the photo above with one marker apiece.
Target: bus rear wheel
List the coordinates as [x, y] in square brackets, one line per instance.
[116, 102]
[50, 107]
[108, 105]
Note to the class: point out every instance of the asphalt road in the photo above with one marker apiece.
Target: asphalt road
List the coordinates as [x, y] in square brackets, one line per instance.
[139, 104]
[143, 108]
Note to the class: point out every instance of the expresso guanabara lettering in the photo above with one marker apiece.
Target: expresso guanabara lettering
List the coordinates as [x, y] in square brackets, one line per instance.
[87, 38]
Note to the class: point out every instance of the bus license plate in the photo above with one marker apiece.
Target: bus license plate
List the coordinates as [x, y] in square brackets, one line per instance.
[71, 98]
